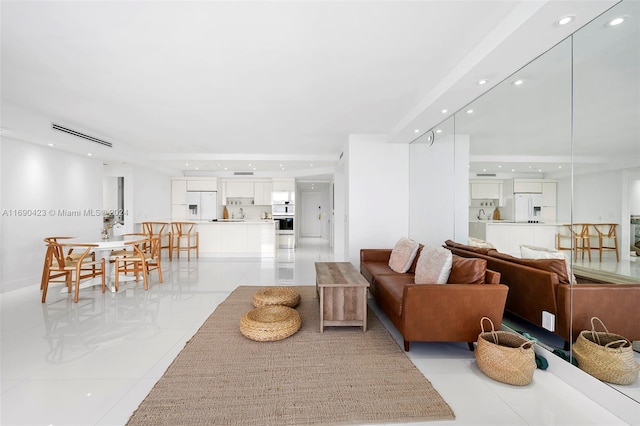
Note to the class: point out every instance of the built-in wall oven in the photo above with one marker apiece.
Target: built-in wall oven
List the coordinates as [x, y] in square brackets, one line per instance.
[285, 230]
[284, 224]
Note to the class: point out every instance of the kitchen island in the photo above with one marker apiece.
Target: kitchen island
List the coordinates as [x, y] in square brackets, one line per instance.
[507, 237]
[237, 238]
[234, 237]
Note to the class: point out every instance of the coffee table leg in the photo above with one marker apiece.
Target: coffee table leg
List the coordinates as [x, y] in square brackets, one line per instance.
[321, 289]
[364, 315]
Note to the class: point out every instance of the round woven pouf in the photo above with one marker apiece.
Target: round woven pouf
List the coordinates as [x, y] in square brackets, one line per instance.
[285, 296]
[270, 323]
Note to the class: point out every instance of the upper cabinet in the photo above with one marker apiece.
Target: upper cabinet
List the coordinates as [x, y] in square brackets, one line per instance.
[263, 193]
[283, 185]
[240, 189]
[486, 190]
[210, 184]
[530, 186]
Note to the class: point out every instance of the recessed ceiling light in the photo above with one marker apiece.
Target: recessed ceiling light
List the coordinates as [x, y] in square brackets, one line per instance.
[225, 168]
[482, 81]
[439, 131]
[565, 19]
[484, 170]
[469, 111]
[50, 144]
[617, 21]
[254, 168]
[559, 167]
[517, 82]
[540, 170]
[310, 165]
[89, 154]
[197, 168]
[416, 131]
[499, 166]
[249, 164]
[187, 164]
[513, 170]
[444, 111]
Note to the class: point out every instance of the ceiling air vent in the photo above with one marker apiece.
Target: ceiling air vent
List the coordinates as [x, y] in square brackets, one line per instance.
[55, 126]
[485, 175]
[243, 173]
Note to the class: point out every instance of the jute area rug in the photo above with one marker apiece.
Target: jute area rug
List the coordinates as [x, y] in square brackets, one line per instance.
[341, 376]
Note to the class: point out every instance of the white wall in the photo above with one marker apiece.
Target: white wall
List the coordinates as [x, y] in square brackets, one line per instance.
[597, 197]
[48, 183]
[377, 193]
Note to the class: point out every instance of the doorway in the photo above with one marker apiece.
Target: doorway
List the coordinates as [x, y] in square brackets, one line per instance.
[311, 214]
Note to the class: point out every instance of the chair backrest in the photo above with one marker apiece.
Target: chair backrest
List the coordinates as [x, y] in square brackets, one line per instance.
[182, 228]
[57, 252]
[154, 228]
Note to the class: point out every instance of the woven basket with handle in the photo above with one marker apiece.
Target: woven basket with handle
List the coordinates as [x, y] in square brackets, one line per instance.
[606, 356]
[504, 356]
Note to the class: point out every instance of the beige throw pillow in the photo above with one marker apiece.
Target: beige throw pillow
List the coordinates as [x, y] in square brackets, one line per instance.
[533, 252]
[434, 266]
[402, 255]
[477, 242]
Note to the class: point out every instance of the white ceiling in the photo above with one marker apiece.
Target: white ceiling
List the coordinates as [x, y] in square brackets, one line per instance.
[278, 85]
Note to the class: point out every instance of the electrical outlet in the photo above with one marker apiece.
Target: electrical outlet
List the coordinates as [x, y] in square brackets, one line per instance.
[548, 321]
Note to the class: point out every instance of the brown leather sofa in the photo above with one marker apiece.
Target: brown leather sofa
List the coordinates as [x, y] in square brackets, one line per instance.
[435, 312]
[537, 285]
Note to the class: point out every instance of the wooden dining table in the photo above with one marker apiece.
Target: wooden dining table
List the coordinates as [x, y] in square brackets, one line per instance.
[103, 249]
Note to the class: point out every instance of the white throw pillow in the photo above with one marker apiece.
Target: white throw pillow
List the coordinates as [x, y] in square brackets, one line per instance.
[434, 266]
[477, 242]
[533, 252]
[402, 255]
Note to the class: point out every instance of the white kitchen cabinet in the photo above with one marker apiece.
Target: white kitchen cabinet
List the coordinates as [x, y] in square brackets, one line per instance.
[202, 185]
[486, 191]
[508, 237]
[527, 186]
[549, 214]
[549, 196]
[240, 189]
[284, 185]
[179, 191]
[263, 193]
[178, 212]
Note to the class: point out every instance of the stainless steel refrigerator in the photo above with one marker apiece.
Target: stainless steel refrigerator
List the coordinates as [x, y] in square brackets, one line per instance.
[202, 205]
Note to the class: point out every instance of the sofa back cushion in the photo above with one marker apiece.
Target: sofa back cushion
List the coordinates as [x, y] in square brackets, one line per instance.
[557, 266]
[434, 265]
[479, 250]
[534, 252]
[467, 270]
[402, 255]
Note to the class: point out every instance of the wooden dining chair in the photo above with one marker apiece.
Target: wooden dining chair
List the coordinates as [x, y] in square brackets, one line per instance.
[184, 238]
[579, 237]
[162, 230]
[145, 258]
[73, 269]
[607, 238]
[48, 257]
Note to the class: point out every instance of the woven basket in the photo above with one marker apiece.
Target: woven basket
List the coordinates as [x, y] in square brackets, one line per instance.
[606, 356]
[270, 323]
[504, 356]
[285, 296]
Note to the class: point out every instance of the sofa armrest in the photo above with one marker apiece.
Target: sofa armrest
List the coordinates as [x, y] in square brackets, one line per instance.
[450, 312]
[615, 304]
[375, 255]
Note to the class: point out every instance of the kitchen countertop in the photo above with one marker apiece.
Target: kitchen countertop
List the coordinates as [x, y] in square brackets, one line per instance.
[511, 223]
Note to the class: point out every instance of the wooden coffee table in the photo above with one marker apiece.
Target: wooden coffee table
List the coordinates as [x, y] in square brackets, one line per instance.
[343, 295]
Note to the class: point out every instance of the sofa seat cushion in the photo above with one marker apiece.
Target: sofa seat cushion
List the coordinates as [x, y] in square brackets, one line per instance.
[372, 270]
[434, 266]
[391, 289]
[403, 254]
[467, 270]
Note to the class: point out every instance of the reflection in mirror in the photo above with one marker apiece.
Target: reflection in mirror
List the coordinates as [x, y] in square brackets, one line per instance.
[434, 191]
[606, 169]
[520, 148]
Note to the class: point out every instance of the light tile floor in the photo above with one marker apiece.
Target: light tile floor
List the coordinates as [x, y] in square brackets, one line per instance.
[94, 361]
